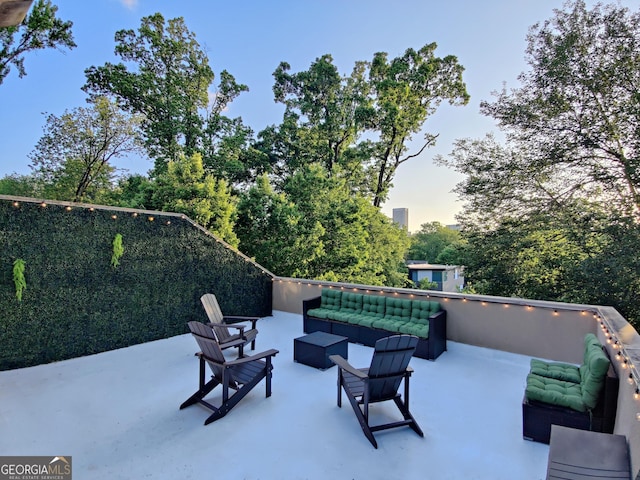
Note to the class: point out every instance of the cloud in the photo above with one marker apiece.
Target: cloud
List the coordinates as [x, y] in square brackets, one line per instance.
[130, 4]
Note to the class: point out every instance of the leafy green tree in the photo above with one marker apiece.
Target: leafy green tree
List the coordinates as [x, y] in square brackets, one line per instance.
[571, 126]
[358, 127]
[273, 231]
[405, 92]
[167, 82]
[546, 211]
[22, 185]
[74, 156]
[186, 188]
[429, 243]
[40, 29]
[317, 229]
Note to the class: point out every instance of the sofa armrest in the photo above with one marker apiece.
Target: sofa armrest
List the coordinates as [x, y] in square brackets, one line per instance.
[309, 304]
[437, 333]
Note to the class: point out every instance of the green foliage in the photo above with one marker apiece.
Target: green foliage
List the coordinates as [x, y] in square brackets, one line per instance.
[186, 188]
[426, 284]
[118, 250]
[571, 126]
[430, 242]
[317, 229]
[40, 29]
[358, 127]
[18, 277]
[166, 79]
[73, 157]
[86, 306]
[546, 212]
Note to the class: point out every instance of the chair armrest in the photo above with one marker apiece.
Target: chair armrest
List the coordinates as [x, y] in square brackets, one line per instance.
[231, 319]
[237, 327]
[267, 353]
[346, 366]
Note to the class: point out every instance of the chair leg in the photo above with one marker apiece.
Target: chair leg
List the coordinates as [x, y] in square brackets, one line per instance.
[339, 388]
[230, 402]
[407, 416]
[362, 419]
[204, 388]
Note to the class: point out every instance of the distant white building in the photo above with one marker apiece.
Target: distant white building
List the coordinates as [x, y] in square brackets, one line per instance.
[401, 217]
[448, 278]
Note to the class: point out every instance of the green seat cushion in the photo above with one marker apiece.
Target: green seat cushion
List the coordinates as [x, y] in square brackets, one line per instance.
[593, 373]
[330, 299]
[322, 313]
[367, 320]
[555, 392]
[416, 329]
[339, 316]
[397, 310]
[560, 371]
[387, 324]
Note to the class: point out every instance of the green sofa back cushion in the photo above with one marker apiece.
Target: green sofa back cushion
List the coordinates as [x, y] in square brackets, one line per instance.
[330, 299]
[421, 310]
[397, 309]
[351, 302]
[593, 373]
[373, 305]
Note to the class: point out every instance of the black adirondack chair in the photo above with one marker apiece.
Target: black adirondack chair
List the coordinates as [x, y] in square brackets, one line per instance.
[222, 323]
[239, 375]
[380, 382]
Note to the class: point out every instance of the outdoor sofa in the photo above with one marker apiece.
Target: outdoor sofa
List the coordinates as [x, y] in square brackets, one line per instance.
[583, 397]
[365, 318]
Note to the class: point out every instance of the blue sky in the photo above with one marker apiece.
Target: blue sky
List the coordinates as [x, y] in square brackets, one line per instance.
[249, 38]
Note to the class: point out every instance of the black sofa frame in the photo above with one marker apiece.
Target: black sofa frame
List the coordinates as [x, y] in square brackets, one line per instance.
[428, 348]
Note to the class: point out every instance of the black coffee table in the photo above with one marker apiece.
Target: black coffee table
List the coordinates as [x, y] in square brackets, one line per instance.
[314, 349]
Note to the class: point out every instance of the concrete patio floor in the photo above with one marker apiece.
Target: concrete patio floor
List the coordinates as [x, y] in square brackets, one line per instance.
[116, 414]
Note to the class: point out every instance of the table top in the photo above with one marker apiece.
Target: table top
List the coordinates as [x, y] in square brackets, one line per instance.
[321, 339]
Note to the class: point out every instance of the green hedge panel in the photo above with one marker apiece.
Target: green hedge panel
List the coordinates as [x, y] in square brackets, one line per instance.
[77, 304]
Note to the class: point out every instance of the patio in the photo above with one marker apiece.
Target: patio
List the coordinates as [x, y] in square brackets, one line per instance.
[116, 414]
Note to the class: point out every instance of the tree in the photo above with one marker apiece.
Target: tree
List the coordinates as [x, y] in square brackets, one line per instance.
[572, 127]
[406, 91]
[40, 29]
[358, 127]
[22, 185]
[74, 156]
[316, 228]
[186, 188]
[273, 232]
[429, 243]
[167, 83]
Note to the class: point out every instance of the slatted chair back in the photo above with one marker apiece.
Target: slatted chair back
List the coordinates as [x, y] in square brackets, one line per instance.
[209, 347]
[211, 306]
[388, 365]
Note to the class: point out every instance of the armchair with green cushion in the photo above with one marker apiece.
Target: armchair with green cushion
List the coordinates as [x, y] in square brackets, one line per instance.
[582, 396]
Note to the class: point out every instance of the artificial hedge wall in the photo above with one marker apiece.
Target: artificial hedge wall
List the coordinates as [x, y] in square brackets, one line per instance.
[77, 303]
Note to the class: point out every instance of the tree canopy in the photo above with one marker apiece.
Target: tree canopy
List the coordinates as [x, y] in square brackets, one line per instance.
[545, 208]
[40, 29]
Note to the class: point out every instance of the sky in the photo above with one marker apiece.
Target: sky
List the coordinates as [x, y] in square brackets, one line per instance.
[249, 39]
